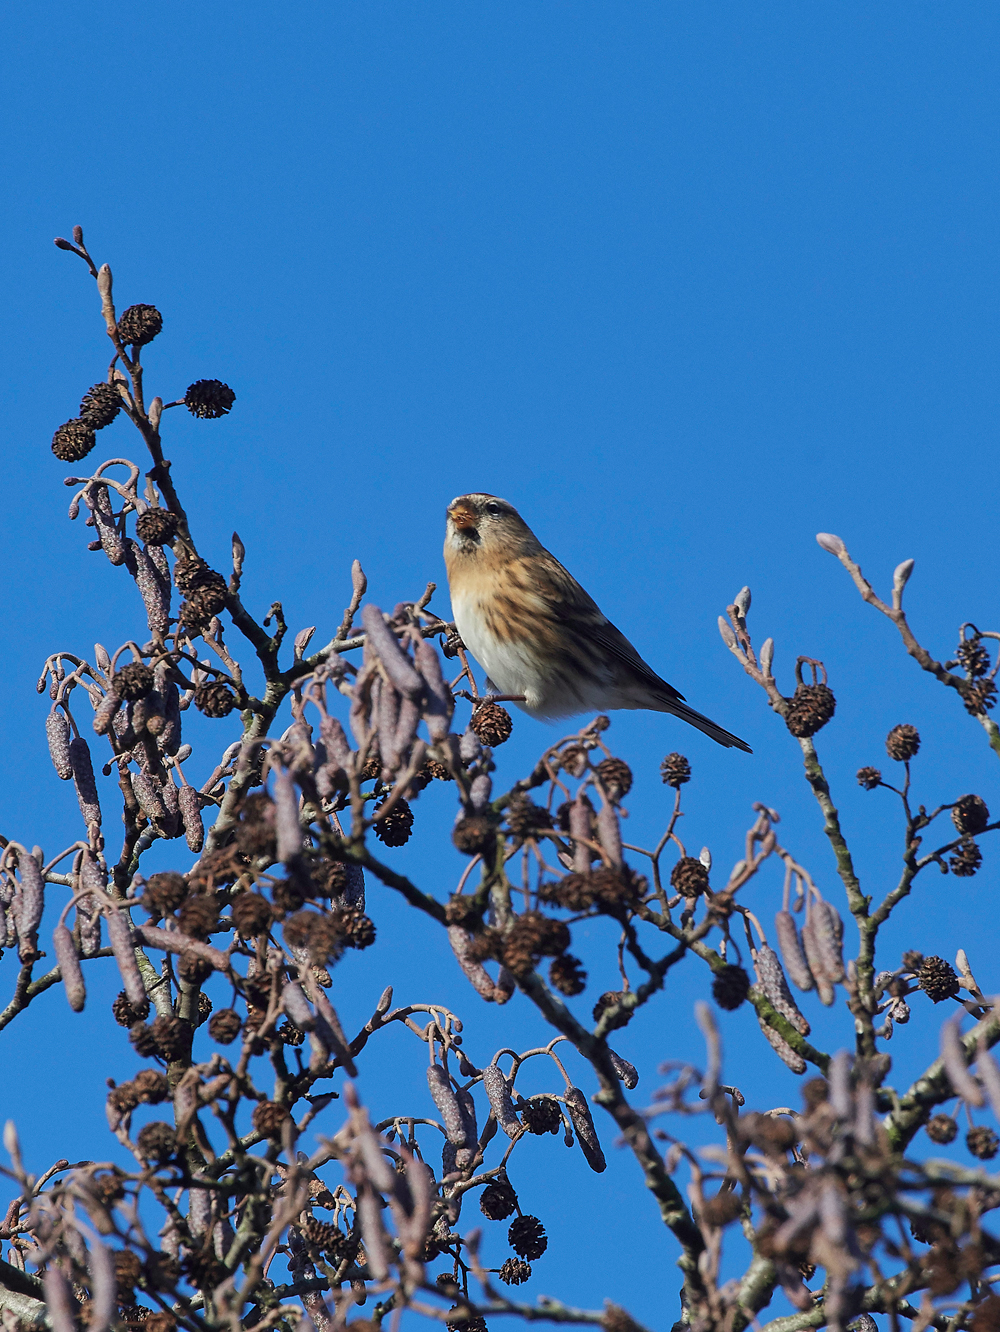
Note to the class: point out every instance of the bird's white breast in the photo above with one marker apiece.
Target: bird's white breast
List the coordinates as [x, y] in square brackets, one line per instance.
[513, 667]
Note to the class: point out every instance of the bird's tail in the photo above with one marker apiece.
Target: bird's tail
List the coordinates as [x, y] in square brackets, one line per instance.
[718, 733]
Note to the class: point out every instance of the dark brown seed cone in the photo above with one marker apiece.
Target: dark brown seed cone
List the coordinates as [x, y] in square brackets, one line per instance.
[613, 889]
[173, 1036]
[524, 818]
[164, 893]
[199, 916]
[967, 859]
[902, 742]
[193, 968]
[287, 895]
[912, 960]
[462, 910]
[224, 1026]
[204, 1009]
[101, 404]
[356, 929]
[157, 1142]
[730, 987]
[326, 943]
[151, 1086]
[809, 709]
[689, 877]
[514, 1272]
[156, 527]
[474, 834]
[134, 680]
[527, 1237]
[675, 770]
[972, 656]
[290, 1034]
[982, 1142]
[566, 974]
[209, 399]
[395, 828]
[139, 324]
[251, 914]
[541, 1115]
[438, 771]
[498, 1200]
[73, 441]
[143, 1040]
[979, 696]
[609, 999]
[214, 700]
[124, 1098]
[616, 776]
[299, 927]
[937, 979]
[869, 778]
[195, 575]
[328, 876]
[268, 1118]
[942, 1129]
[491, 724]
[722, 1209]
[970, 815]
[125, 1014]
[573, 892]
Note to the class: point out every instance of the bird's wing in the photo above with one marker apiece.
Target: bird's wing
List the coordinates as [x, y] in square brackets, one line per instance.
[579, 613]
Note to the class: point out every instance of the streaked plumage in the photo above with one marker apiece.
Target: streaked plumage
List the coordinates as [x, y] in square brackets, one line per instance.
[535, 631]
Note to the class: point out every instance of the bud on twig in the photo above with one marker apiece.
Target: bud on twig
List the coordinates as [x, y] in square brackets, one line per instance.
[728, 637]
[104, 285]
[742, 601]
[831, 543]
[767, 655]
[900, 577]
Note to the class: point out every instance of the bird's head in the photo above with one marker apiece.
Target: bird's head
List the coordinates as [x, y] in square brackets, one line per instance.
[488, 525]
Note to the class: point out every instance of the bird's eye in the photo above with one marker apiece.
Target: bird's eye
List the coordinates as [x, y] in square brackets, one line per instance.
[494, 510]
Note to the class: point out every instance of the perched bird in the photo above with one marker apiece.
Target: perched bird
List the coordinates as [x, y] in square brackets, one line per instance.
[536, 632]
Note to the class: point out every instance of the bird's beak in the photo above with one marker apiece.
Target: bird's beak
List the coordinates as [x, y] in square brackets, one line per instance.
[462, 516]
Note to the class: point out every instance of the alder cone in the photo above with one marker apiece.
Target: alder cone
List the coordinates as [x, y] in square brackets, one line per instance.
[902, 742]
[492, 724]
[809, 709]
[937, 979]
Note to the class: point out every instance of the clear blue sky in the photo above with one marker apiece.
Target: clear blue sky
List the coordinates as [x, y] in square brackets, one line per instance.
[686, 283]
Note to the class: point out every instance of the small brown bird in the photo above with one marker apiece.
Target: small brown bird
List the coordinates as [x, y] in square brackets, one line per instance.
[536, 632]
